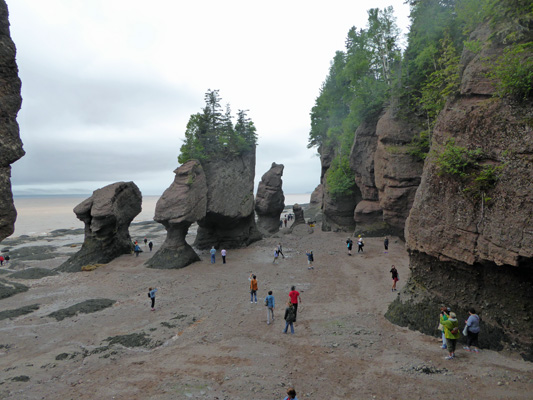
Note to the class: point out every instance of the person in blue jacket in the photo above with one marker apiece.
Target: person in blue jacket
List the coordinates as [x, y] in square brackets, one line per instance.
[151, 295]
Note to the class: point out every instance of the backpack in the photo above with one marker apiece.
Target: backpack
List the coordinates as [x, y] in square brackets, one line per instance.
[266, 302]
[149, 295]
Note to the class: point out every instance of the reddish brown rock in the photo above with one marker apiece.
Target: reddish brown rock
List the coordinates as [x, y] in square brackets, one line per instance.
[397, 173]
[182, 204]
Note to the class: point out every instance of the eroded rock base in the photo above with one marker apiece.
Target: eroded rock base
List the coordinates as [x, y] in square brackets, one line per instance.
[501, 295]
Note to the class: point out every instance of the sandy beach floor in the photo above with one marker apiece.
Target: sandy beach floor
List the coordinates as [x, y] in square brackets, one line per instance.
[207, 341]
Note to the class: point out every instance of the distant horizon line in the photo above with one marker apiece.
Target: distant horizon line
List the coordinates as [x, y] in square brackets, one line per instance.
[90, 194]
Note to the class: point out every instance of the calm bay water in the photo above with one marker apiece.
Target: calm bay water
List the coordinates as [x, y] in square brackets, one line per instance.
[37, 216]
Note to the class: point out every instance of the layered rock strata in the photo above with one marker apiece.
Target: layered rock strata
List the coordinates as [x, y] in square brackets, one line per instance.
[470, 238]
[182, 204]
[396, 172]
[269, 200]
[10, 143]
[230, 220]
[107, 215]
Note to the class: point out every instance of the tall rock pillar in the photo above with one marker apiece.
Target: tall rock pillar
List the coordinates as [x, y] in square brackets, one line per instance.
[10, 143]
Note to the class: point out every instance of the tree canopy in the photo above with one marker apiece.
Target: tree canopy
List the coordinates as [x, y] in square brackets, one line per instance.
[212, 133]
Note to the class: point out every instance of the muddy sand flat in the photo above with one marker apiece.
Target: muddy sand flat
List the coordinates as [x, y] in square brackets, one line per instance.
[207, 341]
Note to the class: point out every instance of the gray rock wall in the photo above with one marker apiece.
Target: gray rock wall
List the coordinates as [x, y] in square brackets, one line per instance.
[270, 201]
[230, 218]
[107, 215]
[10, 143]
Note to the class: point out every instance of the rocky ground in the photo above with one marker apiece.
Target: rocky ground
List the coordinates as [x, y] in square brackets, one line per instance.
[91, 335]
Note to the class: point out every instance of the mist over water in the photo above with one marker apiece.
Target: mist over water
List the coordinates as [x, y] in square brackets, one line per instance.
[37, 216]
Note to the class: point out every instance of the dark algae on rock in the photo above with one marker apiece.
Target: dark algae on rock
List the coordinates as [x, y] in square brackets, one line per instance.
[85, 307]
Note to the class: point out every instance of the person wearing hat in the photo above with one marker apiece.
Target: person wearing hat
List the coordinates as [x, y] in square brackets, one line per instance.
[451, 332]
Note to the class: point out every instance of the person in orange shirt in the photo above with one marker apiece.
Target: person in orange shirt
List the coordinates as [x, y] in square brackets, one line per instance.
[253, 288]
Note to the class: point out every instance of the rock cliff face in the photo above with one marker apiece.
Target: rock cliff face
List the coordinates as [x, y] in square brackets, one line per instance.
[230, 219]
[396, 173]
[471, 245]
[337, 212]
[107, 215]
[183, 203]
[270, 201]
[386, 179]
[10, 143]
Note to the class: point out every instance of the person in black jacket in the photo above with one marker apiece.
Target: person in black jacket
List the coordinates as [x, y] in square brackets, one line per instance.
[290, 316]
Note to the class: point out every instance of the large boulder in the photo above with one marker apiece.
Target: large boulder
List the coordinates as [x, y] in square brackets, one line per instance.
[107, 215]
[270, 201]
[230, 218]
[10, 143]
[183, 203]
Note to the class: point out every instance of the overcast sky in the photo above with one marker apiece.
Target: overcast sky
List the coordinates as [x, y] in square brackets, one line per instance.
[109, 85]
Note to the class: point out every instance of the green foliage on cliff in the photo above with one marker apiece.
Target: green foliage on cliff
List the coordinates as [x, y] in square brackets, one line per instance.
[513, 72]
[339, 178]
[372, 74]
[456, 160]
[211, 133]
[360, 81]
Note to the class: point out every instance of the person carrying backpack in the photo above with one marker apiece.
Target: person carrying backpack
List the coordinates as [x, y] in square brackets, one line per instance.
[451, 332]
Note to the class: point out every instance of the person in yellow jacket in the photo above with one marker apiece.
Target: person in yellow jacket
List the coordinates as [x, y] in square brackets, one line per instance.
[451, 332]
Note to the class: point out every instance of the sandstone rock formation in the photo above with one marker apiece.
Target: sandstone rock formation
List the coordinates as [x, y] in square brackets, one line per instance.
[183, 203]
[10, 143]
[107, 215]
[470, 241]
[230, 219]
[270, 201]
[396, 172]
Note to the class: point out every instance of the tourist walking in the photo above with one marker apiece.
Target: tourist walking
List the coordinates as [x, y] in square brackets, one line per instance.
[213, 252]
[291, 394]
[151, 295]
[276, 255]
[280, 251]
[295, 299]
[360, 244]
[137, 250]
[223, 254]
[1, 260]
[253, 288]
[395, 278]
[451, 331]
[310, 259]
[386, 244]
[472, 330]
[349, 245]
[270, 302]
[290, 317]
[150, 245]
[145, 241]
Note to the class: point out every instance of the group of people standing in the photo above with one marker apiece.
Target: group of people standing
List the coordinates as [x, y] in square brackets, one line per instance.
[291, 311]
[213, 252]
[137, 249]
[449, 326]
